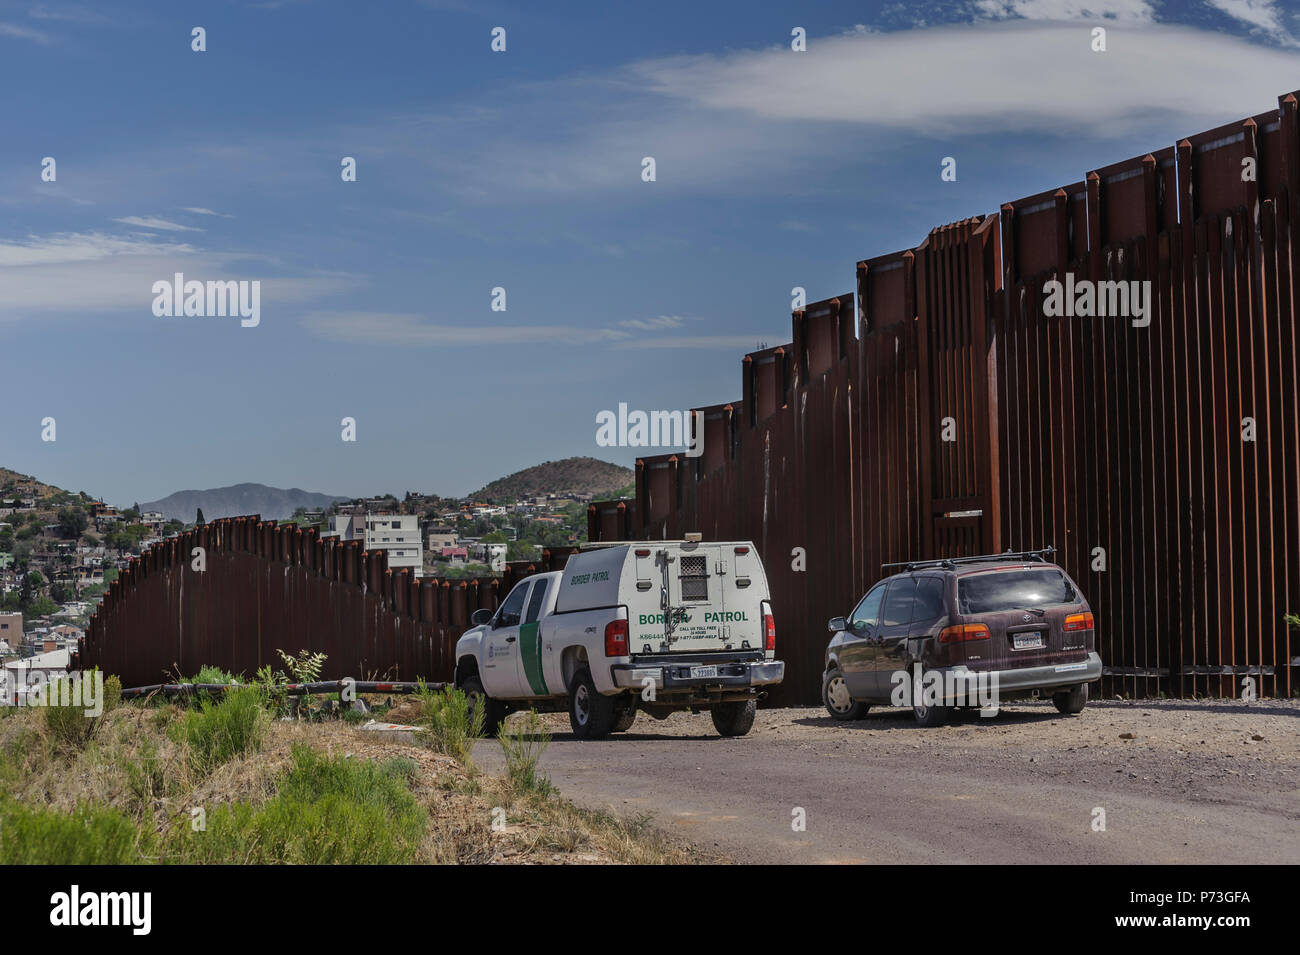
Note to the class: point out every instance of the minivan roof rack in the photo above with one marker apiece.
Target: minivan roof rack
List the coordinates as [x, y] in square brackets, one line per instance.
[950, 563]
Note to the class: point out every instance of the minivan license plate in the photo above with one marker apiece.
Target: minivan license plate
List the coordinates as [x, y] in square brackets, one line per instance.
[1027, 641]
[699, 672]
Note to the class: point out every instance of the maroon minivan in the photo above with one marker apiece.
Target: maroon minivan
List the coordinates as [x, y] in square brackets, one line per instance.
[968, 631]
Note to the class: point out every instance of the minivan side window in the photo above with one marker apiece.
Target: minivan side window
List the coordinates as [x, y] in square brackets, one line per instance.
[867, 612]
[930, 603]
[535, 602]
[898, 603]
[508, 615]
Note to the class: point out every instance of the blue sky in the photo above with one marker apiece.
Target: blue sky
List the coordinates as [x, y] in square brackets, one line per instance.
[519, 169]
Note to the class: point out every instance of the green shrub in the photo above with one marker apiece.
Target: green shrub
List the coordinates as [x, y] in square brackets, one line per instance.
[329, 810]
[217, 732]
[452, 723]
[271, 684]
[523, 743]
[210, 674]
[68, 724]
[39, 835]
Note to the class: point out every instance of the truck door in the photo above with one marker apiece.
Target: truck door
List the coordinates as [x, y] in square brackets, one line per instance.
[532, 679]
[693, 598]
[499, 666]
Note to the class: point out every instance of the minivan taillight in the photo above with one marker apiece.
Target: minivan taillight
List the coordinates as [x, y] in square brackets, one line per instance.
[962, 632]
[616, 638]
[1078, 621]
[769, 632]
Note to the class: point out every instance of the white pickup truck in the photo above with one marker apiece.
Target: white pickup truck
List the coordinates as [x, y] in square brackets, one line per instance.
[655, 626]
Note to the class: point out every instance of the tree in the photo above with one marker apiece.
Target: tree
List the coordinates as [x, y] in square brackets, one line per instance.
[198, 519]
[40, 607]
[522, 550]
[72, 522]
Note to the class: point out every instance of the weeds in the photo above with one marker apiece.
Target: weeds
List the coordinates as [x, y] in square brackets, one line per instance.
[453, 724]
[523, 743]
[39, 835]
[329, 810]
[66, 720]
[215, 733]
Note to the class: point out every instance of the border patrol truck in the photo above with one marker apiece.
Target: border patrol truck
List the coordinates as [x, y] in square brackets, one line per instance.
[650, 627]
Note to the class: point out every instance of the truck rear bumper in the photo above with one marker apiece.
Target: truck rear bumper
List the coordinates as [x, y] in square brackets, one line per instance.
[672, 675]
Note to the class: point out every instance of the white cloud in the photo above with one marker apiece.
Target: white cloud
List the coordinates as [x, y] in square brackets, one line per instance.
[92, 273]
[393, 328]
[1263, 16]
[1133, 11]
[726, 122]
[731, 342]
[405, 329]
[658, 323]
[69, 13]
[1005, 76]
[153, 222]
[24, 33]
[201, 211]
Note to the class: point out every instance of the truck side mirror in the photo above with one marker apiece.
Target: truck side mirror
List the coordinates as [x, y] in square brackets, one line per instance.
[481, 616]
[837, 624]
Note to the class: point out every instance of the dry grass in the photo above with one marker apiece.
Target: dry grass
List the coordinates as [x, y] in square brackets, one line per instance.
[133, 764]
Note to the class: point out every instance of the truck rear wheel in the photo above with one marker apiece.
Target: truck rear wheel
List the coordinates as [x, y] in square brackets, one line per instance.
[494, 711]
[624, 713]
[734, 719]
[590, 714]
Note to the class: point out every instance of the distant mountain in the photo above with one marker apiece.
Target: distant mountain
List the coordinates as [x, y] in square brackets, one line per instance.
[272, 503]
[569, 475]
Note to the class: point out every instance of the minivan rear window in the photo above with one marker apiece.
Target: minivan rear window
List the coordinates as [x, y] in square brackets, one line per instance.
[1013, 590]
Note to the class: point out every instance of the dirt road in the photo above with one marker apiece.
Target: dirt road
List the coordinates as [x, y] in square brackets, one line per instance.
[1178, 782]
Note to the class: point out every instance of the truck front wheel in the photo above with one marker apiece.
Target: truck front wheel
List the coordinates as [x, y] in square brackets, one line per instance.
[590, 714]
[494, 711]
[734, 719]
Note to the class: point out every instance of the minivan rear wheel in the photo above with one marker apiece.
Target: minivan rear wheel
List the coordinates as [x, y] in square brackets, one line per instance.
[1071, 701]
[930, 715]
[837, 699]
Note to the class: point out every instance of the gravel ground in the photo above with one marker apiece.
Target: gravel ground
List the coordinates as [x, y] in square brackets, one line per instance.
[1179, 781]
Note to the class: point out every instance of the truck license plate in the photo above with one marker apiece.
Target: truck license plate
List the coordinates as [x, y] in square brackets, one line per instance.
[1027, 641]
[699, 672]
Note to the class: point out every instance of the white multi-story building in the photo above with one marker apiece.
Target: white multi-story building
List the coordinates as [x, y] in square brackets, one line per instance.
[398, 534]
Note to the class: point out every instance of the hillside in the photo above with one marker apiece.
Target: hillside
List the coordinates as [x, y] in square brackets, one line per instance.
[569, 475]
[11, 481]
[272, 503]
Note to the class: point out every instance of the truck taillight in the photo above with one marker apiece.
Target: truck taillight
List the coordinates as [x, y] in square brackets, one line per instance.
[616, 638]
[769, 632]
[1078, 621]
[962, 632]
